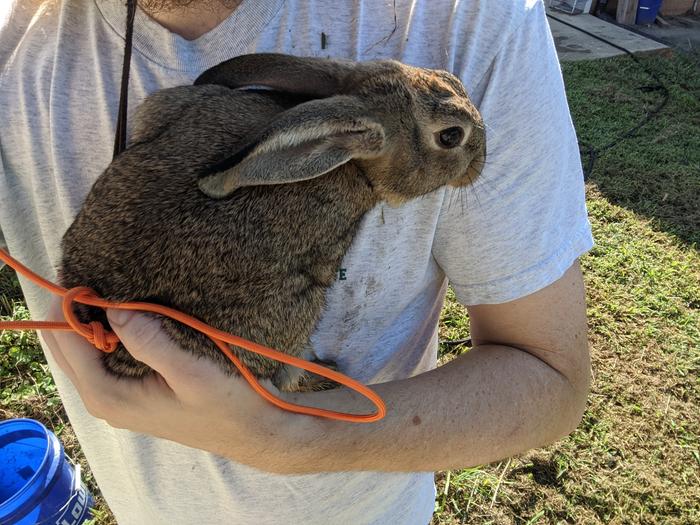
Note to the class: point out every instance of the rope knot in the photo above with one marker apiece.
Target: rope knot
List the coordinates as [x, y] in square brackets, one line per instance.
[98, 337]
[94, 332]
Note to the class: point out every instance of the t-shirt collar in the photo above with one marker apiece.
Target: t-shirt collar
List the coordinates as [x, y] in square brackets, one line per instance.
[230, 38]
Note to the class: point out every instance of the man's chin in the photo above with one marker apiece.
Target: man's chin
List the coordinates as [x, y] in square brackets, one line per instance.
[156, 6]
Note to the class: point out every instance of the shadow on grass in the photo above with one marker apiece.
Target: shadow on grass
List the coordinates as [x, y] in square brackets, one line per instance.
[656, 172]
[10, 292]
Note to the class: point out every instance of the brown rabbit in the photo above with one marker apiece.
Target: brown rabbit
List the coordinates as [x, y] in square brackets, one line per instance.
[237, 206]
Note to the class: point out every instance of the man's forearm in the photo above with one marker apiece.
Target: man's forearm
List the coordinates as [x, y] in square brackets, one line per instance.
[491, 403]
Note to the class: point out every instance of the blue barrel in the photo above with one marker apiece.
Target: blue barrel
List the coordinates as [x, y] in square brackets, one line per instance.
[38, 484]
[647, 11]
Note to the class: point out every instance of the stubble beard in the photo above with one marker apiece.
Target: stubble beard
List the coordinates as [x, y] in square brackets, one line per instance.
[159, 6]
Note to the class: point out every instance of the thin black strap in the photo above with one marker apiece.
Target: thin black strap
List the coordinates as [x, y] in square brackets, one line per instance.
[120, 134]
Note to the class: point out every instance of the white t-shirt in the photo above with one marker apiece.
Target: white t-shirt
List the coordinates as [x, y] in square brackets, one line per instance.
[517, 230]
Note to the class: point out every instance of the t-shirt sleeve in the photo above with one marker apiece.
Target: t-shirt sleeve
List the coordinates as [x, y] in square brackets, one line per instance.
[523, 222]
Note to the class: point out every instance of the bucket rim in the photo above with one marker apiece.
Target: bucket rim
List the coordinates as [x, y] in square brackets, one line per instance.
[16, 505]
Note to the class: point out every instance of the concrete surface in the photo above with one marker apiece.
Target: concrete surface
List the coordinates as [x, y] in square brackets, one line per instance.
[575, 45]
[682, 32]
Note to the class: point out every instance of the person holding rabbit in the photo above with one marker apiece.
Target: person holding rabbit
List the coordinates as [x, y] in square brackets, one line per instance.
[191, 444]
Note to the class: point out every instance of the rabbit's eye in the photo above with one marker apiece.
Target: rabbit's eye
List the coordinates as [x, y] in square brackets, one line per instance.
[451, 137]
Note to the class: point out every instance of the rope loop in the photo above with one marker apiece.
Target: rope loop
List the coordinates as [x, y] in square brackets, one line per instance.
[94, 332]
[107, 341]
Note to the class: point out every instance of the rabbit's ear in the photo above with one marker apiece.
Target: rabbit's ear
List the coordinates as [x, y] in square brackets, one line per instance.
[318, 77]
[304, 143]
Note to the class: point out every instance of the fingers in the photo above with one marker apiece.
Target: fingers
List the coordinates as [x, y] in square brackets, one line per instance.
[82, 363]
[55, 313]
[73, 354]
[186, 392]
[121, 402]
[54, 353]
[144, 338]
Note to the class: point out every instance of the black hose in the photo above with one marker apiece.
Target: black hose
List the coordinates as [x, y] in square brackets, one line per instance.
[587, 149]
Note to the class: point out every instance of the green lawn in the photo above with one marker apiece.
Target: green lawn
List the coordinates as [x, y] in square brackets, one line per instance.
[636, 456]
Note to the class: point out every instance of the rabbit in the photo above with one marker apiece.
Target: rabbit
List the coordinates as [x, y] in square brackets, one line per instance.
[238, 196]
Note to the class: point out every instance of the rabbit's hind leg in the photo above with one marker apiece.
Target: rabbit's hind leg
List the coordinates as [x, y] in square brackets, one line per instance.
[310, 382]
[292, 379]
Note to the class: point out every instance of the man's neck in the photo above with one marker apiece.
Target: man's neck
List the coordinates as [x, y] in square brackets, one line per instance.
[193, 21]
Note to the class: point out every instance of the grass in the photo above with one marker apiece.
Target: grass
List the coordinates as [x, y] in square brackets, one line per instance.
[655, 173]
[635, 458]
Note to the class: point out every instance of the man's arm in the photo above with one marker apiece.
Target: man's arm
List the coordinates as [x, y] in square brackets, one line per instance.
[523, 385]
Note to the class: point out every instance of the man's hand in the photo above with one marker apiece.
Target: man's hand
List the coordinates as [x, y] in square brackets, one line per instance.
[524, 385]
[189, 400]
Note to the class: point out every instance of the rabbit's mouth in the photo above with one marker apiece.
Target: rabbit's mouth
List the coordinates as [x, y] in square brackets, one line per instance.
[395, 200]
[472, 173]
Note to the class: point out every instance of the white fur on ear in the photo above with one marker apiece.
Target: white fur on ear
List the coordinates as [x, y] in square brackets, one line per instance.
[327, 130]
[218, 185]
[296, 155]
[255, 87]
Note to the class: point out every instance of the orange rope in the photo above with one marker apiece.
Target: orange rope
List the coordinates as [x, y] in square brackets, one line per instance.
[107, 341]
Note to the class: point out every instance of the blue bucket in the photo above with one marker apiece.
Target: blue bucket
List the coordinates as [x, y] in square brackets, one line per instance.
[647, 10]
[38, 484]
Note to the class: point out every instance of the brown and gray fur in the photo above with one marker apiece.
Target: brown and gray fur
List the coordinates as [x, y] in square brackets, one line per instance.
[237, 206]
